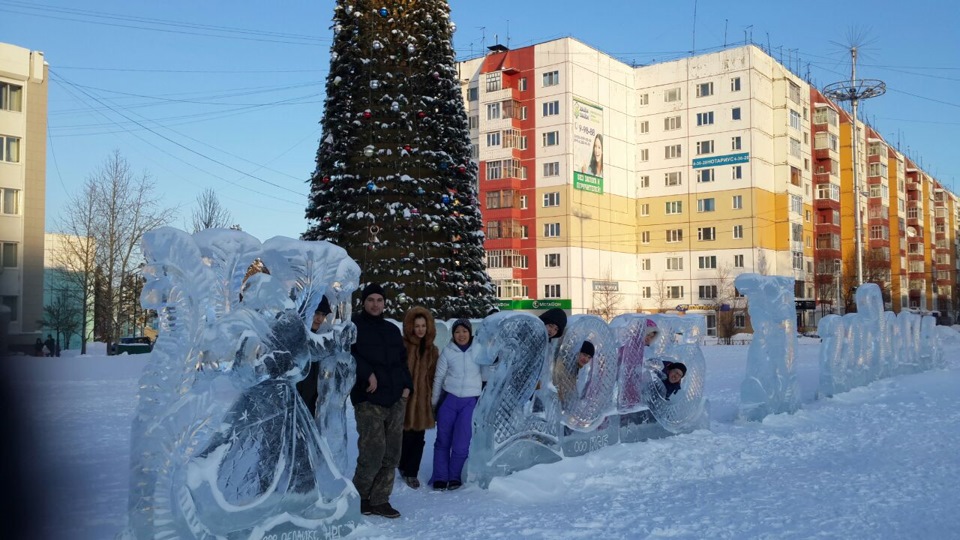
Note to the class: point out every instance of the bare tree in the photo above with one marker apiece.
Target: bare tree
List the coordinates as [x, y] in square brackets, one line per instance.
[661, 293]
[606, 302]
[112, 212]
[75, 255]
[210, 214]
[64, 316]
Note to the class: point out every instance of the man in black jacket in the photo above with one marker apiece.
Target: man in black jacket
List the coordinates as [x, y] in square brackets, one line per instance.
[379, 400]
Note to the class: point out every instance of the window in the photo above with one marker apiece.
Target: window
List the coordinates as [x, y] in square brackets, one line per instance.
[671, 95]
[551, 260]
[737, 232]
[705, 175]
[11, 97]
[795, 121]
[674, 235]
[493, 139]
[644, 209]
[551, 199]
[828, 191]
[523, 202]
[736, 143]
[736, 113]
[10, 149]
[551, 169]
[11, 302]
[739, 320]
[675, 291]
[705, 118]
[644, 99]
[738, 202]
[706, 233]
[551, 78]
[674, 263]
[738, 261]
[551, 138]
[706, 205]
[735, 84]
[645, 127]
[736, 172]
[708, 262]
[825, 115]
[794, 92]
[524, 231]
[797, 260]
[551, 291]
[493, 111]
[551, 108]
[794, 147]
[705, 89]
[708, 292]
[551, 230]
[493, 200]
[644, 154]
[671, 123]
[473, 93]
[704, 147]
[673, 178]
[523, 113]
[646, 292]
[9, 255]
[494, 81]
[10, 202]
[506, 258]
[645, 237]
[494, 170]
[796, 204]
[646, 264]
[672, 151]
[474, 122]
[522, 84]
[674, 207]
[645, 181]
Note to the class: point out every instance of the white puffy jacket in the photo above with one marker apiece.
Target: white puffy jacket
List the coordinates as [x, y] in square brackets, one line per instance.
[458, 372]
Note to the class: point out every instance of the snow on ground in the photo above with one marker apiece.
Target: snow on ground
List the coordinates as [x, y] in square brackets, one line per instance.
[882, 461]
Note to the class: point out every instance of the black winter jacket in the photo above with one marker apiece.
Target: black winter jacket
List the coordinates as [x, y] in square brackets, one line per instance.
[379, 350]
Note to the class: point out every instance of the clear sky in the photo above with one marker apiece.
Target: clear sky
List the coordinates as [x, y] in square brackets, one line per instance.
[229, 94]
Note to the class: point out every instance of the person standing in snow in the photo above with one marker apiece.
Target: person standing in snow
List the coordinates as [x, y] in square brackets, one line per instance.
[419, 332]
[456, 390]
[379, 399]
[308, 387]
[51, 345]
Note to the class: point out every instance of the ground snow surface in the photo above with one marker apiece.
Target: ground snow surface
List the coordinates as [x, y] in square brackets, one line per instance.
[882, 461]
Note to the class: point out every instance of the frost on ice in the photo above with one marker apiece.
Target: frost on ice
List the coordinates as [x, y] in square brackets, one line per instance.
[770, 385]
[222, 445]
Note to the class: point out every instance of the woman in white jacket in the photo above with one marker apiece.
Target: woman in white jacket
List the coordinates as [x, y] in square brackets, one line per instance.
[456, 388]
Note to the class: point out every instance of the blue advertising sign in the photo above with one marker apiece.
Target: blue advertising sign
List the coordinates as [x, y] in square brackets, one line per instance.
[714, 161]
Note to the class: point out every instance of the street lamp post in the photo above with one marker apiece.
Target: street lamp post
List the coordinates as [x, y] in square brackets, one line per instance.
[582, 216]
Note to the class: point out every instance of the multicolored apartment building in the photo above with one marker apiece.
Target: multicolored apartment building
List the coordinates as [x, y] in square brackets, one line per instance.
[610, 188]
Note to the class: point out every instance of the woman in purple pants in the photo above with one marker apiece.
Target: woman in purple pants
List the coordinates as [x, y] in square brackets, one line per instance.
[456, 388]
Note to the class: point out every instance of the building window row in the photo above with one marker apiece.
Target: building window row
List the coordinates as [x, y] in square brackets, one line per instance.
[506, 258]
[9, 149]
[11, 97]
[9, 201]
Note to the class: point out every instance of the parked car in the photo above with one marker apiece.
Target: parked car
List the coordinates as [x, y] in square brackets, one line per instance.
[133, 345]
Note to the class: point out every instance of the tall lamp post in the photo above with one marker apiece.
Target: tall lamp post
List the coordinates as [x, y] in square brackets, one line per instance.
[582, 216]
[853, 91]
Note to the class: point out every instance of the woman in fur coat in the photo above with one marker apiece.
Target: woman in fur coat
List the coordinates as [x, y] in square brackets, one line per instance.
[419, 331]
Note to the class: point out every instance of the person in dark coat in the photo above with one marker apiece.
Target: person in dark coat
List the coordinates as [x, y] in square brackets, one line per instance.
[38, 347]
[51, 345]
[379, 400]
[307, 388]
[672, 374]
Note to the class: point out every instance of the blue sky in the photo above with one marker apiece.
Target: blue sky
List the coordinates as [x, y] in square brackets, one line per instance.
[228, 94]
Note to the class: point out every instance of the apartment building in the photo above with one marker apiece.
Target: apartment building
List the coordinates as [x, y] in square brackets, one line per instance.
[610, 188]
[23, 134]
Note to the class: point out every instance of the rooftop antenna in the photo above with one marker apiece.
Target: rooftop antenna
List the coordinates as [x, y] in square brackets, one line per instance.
[508, 33]
[745, 41]
[694, 51]
[853, 91]
[726, 23]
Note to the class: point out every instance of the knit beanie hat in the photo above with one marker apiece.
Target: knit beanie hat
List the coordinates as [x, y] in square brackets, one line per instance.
[464, 323]
[372, 288]
[324, 306]
[669, 366]
[587, 349]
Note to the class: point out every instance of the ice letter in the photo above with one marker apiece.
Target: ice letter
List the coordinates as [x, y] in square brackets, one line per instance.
[686, 410]
[770, 385]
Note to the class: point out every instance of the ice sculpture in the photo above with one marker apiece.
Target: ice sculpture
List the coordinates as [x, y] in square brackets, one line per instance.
[629, 332]
[770, 385]
[335, 380]
[222, 446]
[874, 350]
[832, 362]
[680, 341]
[507, 436]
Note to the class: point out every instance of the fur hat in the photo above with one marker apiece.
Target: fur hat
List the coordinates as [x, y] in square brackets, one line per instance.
[555, 316]
[670, 366]
[324, 306]
[371, 288]
[464, 323]
[587, 349]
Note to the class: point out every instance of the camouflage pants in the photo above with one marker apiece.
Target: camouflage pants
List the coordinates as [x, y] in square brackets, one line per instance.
[380, 432]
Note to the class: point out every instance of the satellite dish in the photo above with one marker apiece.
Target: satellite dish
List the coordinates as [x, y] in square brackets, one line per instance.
[911, 231]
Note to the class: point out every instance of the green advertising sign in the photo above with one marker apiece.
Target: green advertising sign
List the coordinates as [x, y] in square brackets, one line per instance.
[588, 182]
[513, 305]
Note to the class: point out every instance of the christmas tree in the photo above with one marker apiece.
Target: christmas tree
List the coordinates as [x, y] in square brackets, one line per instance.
[394, 184]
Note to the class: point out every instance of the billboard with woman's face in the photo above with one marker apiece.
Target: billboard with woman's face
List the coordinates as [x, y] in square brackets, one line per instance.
[587, 146]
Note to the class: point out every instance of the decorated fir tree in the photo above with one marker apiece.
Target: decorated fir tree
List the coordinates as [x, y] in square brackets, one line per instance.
[394, 184]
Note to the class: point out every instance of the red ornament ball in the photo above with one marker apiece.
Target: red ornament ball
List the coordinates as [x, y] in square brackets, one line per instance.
[326, 180]
[367, 114]
[462, 169]
[421, 114]
[407, 147]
